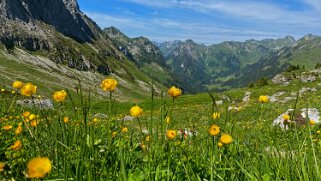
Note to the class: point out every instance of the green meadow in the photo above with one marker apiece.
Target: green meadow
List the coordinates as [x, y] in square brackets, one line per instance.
[89, 138]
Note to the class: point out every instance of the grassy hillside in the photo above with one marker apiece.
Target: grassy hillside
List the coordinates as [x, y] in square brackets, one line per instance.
[21, 65]
[92, 148]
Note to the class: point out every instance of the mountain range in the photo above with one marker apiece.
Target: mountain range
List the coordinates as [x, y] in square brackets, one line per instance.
[53, 43]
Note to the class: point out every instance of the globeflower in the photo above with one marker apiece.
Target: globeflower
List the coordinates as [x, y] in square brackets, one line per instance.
[7, 127]
[38, 167]
[263, 99]
[26, 114]
[114, 134]
[16, 145]
[34, 123]
[136, 111]
[32, 117]
[216, 115]
[147, 138]
[124, 130]
[214, 130]
[312, 122]
[171, 134]
[226, 139]
[28, 89]
[109, 84]
[174, 92]
[2, 166]
[59, 96]
[286, 117]
[167, 120]
[18, 130]
[17, 84]
[66, 119]
[143, 146]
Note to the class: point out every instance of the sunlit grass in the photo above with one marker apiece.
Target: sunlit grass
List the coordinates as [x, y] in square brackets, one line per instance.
[167, 137]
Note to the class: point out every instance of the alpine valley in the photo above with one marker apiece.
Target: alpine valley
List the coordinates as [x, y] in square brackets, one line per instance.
[55, 44]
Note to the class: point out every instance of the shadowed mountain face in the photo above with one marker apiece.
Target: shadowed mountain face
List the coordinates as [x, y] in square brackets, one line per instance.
[57, 31]
[64, 15]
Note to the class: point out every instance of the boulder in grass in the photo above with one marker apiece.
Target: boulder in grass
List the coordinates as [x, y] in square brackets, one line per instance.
[38, 103]
[128, 118]
[308, 77]
[311, 113]
[101, 116]
[303, 116]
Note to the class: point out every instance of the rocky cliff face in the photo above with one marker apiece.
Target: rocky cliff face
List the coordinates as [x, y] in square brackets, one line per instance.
[44, 25]
[56, 30]
[63, 15]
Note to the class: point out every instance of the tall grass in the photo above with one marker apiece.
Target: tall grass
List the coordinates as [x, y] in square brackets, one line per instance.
[91, 148]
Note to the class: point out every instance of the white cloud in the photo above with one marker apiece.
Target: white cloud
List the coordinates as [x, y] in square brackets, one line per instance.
[315, 4]
[161, 29]
[256, 20]
[243, 10]
[106, 20]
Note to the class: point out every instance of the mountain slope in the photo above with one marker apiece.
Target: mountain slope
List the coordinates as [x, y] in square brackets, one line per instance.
[218, 65]
[305, 52]
[57, 31]
[146, 56]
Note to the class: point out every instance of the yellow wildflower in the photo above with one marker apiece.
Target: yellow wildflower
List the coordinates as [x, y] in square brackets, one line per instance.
[59, 96]
[26, 114]
[286, 117]
[16, 145]
[226, 139]
[114, 134]
[17, 84]
[28, 89]
[32, 117]
[214, 130]
[66, 119]
[167, 120]
[216, 115]
[136, 111]
[2, 166]
[124, 130]
[171, 134]
[174, 92]
[220, 144]
[143, 146]
[7, 127]
[34, 123]
[109, 84]
[95, 120]
[312, 122]
[263, 99]
[18, 130]
[147, 138]
[38, 167]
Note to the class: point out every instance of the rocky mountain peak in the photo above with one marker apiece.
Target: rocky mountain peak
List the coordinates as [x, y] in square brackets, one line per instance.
[289, 38]
[113, 32]
[64, 15]
[309, 37]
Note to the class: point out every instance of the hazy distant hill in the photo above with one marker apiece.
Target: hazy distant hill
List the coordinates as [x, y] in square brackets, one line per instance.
[234, 64]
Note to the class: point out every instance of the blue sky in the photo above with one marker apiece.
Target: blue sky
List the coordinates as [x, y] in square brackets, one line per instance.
[207, 21]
